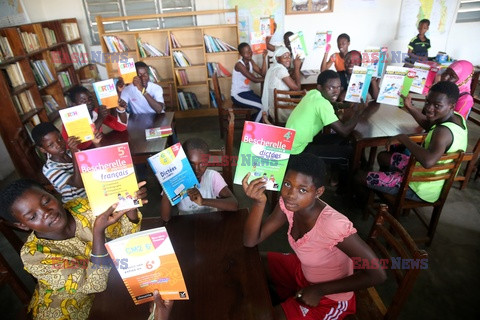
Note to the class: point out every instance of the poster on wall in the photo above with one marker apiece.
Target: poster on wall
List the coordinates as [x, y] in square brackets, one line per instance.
[12, 13]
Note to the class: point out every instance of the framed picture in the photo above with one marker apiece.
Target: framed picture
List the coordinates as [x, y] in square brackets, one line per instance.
[308, 6]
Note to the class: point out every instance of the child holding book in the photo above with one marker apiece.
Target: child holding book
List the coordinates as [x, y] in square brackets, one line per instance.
[337, 59]
[241, 93]
[419, 45]
[213, 193]
[66, 250]
[317, 279]
[461, 72]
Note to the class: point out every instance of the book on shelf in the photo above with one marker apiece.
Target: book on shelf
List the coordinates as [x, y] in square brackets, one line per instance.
[161, 132]
[153, 74]
[182, 77]
[41, 71]
[396, 81]
[5, 49]
[56, 58]
[78, 55]
[297, 43]
[322, 40]
[109, 177]
[64, 79]
[106, 93]
[212, 99]
[127, 70]
[26, 101]
[175, 43]
[167, 47]
[424, 78]
[174, 172]
[146, 261]
[17, 105]
[188, 100]
[218, 69]
[264, 152]
[35, 120]
[359, 83]
[29, 40]
[15, 74]
[115, 44]
[50, 104]
[77, 122]
[213, 44]
[375, 58]
[148, 50]
[181, 60]
[29, 127]
[70, 31]
[50, 36]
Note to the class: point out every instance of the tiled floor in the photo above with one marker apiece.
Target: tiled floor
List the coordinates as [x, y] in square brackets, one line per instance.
[446, 290]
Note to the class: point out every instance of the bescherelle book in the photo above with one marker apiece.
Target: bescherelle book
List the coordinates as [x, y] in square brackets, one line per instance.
[155, 133]
[174, 172]
[359, 84]
[396, 81]
[106, 93]
[77, 122]
[264, 152]
[127, 70]
[146, 261]
[297, 43]
[424, 78]
[375, 58]
[108, 177]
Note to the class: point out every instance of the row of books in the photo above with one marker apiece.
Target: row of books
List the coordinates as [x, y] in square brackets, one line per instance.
[64, 79]
[213, 100]
[148, 50]
[213, 44]
[41, 72]
[15, 74]
[181, 60]
[5, 49]
[217, 68]
[182, 76]
[50, 104]
[188, 100]
[70, 31]
[175, 43]
[153, 75]
[115, 44]
[29, 40]
[50, 36]
[23, 102]
[78, 55]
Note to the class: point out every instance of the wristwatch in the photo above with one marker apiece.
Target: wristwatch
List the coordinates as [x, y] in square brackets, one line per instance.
[299, 294]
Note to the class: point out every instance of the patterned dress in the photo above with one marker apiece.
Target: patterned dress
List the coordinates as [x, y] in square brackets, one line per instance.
[67, 280]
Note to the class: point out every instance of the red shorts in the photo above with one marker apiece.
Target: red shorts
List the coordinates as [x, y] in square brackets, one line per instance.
[287, 276]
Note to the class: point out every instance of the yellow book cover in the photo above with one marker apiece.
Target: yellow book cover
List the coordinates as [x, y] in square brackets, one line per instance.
[127, 70]
[106, 93]
[146, 261]
[108, 177]
[77, 122]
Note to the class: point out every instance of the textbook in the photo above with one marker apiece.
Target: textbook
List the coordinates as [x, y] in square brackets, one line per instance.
[106, 93]
[174, 172]
[396, 81]
[155, 133]
[359, 84]
[127, 70]
[424, 77]
[375, 58]
[322, 39]
[108, 177]
[264, 152]
[297, 43]
[267, 26]
[146, 261]
[257, 42]
[77, 122]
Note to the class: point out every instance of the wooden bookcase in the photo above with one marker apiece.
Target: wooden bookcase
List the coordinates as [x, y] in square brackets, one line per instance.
[16, 123]
[192, 43]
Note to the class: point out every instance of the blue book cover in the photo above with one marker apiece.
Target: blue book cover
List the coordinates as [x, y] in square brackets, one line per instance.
[359, 84]
[174, 172]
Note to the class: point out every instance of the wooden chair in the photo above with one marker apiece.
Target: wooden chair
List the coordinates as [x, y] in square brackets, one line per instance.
[241, 114]
[470, 161]
[217, 155]
[285, 100]
[168, 96]
[391, 242]
[448, 165]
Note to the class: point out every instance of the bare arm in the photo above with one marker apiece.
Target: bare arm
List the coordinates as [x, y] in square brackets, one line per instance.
[240, 67]
[326, 64]
[157, 106]
[415, 112]
[270, 47]
[166, 208]
[75, 179]
[344, 129]
[294, 83]
[263, 70]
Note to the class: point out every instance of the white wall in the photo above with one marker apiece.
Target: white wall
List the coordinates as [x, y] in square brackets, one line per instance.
[464, 42]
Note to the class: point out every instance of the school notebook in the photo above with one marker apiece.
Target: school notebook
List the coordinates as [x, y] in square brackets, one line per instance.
[174, 172]
[127, 70]
[77, 122]
[146, 261]
[424, 78]
[396, 81]
[359, 84]
[106, 93]
[297, 43]
[108, 177]
[264, 152]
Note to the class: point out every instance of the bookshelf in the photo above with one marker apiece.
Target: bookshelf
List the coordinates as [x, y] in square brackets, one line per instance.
[37, 67]
[190, 42]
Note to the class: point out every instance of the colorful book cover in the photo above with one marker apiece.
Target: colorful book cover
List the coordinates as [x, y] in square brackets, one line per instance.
[359, 84]
[77, 122]
[297, 43]
[264, 152]
[267, 26]
[146, 261]
[106, 93]
[424, 77]
[396, 81]
[322, 39]
[174, 172]
[257, 42]
[375, 58]
[108, 176]
[127, 70]
[154, 133]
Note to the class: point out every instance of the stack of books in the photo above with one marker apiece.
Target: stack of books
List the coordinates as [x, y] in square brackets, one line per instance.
[15, 74]
[70, 31]
[181, 60]
[175, 43]
[5, 49]
[42, 73]
[153, 75]
[182, 76]
[64, 78]
[78, 55]
[148, 50]
[50, 36]
[115, 44]
[49, 104]
[29, 40]
[188, 100]
[213, 44]
[217, 68]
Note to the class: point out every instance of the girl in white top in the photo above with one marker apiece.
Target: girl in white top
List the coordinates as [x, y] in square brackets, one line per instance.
[242, 75]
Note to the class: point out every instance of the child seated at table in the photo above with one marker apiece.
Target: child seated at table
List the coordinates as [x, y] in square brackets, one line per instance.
[338, 58]
[317, 279]
[447, 133]
[213, 193]
[115, 118]
[419, 45]
[66, 250]
[61, 167]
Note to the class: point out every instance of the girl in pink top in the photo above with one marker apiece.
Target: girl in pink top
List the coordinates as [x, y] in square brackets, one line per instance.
[460, 72]
[317, 282]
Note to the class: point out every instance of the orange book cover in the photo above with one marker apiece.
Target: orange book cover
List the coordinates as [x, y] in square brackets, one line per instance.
[106, 93]
[127, 70]
[146, 261]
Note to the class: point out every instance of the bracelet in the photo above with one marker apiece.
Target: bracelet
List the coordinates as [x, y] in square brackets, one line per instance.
[121, 111]
[98, 255]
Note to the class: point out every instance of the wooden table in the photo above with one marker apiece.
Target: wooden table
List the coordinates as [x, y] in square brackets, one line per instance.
[224, 279]
[140, 147]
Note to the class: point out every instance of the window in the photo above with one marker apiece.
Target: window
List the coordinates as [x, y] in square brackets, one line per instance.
[468, 11]
[115, 8]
